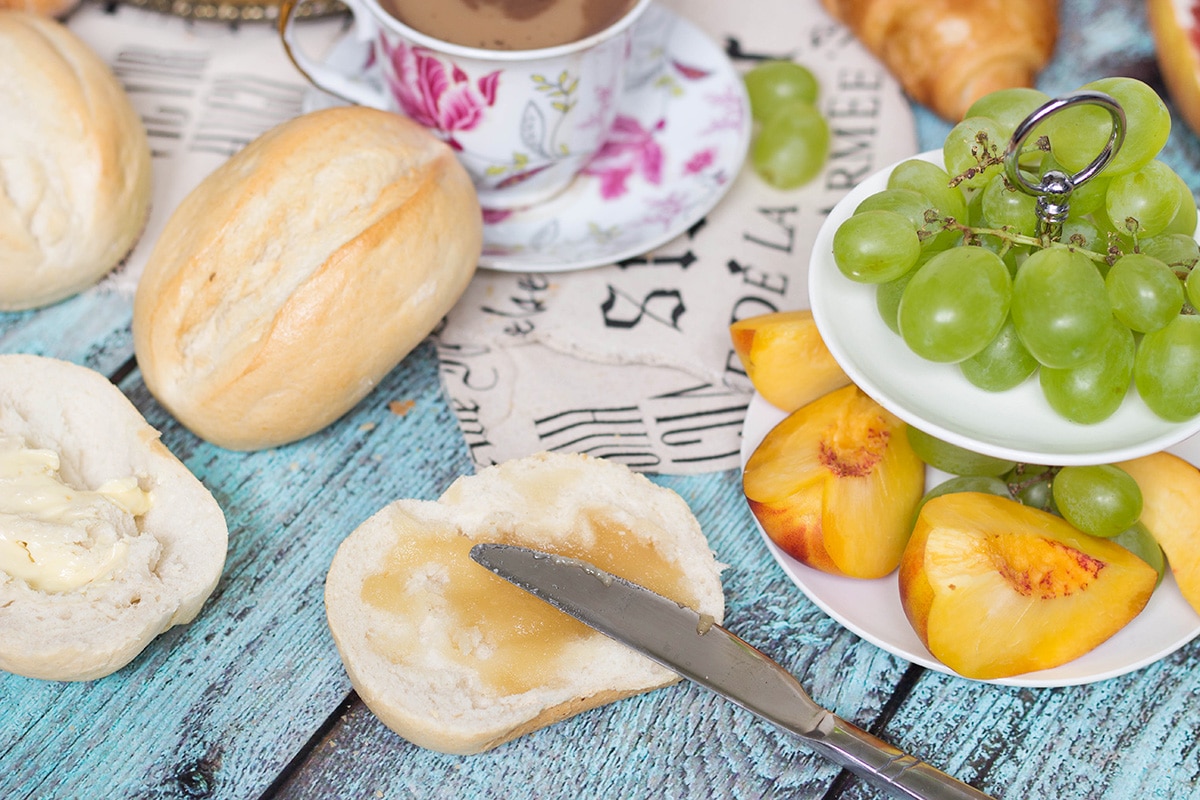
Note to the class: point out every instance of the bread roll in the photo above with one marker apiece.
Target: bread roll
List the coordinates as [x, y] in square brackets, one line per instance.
[300, 272]
[946, 53]
[49, 8]
[74, 164]
[455, 659]
[86, 578]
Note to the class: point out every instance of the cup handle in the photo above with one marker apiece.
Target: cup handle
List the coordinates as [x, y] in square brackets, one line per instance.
[327, 78]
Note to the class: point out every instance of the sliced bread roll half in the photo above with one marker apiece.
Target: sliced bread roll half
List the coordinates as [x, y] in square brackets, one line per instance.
[300, 272]
[106, 539]
[75, 170]
[455, 659]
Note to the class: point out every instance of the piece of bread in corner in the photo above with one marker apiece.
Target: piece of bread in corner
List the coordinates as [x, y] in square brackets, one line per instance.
[75, 171]
[454, 658]
[302, 271]
[88, 573]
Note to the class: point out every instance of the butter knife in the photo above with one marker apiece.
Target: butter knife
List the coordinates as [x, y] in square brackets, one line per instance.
[694, 646]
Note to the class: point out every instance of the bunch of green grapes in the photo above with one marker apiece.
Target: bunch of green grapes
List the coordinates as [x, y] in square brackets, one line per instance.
[792, 143]
[1101, 500]
[963, 276]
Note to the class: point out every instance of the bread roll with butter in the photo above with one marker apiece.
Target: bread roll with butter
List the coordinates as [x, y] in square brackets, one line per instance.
[454, 658]
[106, 539]
[75, 172]
[300, 272]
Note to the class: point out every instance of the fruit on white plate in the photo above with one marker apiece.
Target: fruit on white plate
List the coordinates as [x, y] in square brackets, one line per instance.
[785, 358]
[835, 485]
[994, 588]
[1171, 511]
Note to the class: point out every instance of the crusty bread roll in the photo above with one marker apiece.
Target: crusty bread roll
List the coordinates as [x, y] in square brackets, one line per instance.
[48, 8]
[83, 591]
[947, 53]
[455, 659]
[75, 173]
[300, 272]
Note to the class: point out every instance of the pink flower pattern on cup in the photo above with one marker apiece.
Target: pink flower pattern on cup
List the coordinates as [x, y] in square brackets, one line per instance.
[630, 149]
[436, 96]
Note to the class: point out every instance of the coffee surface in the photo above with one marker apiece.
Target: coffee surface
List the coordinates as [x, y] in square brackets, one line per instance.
[508, 24]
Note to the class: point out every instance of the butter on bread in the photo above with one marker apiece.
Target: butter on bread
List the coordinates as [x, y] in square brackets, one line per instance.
[84, 584]
[75, 176]
[455, 659]
[300, 272]
[947, 53]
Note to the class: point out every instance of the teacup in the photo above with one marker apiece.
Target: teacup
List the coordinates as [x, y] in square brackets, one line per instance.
[522, 122]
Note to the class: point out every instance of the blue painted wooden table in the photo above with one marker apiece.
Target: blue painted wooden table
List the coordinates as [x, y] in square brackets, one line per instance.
[251, 699]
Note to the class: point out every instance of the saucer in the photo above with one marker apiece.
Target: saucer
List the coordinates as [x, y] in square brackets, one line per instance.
[1017, 424]
[871, 608]
[683, 129]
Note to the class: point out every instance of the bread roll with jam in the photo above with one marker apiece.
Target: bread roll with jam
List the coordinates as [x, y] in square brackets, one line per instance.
[106, 539]
[75, 172]
[456, 659]
[300, 272]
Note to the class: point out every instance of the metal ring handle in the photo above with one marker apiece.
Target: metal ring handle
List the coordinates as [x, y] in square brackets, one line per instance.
[1056, 186]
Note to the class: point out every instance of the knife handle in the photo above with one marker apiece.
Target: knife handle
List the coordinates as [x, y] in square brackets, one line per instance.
[886, 767]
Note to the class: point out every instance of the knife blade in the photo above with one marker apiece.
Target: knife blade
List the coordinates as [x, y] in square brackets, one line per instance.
[694, 646]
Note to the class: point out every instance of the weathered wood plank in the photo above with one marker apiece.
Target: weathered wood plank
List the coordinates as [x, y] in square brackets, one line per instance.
[219, 708]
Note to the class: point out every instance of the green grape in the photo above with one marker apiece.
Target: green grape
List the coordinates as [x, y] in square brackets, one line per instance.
[1008, 107]
[1031, 484]
[1006, 207]
[1144, 292]
[934, 183]
[772, 84]
[887, 299]
[1192, 286]
[875, 246]
[915, 206]
[792, 146]
[1138, 540]
[1178, 251]
[1078, 134]
[953, 459]
[1060, 308]
[1087, 196]
[1002, 364]
[955, 304]
[1099, 499]
[1166, 369]
[974, 151]
[964, 483]
[1185, 218]
[1083, 234]
[1150, 197]
[1110, 237]
[1092, 391]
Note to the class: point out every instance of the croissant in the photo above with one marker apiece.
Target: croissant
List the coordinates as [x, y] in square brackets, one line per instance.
[947, 53]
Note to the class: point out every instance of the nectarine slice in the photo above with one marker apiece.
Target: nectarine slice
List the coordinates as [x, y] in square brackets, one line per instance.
[785, 358]
[835, 485]
[995, 588]
[1171, 511]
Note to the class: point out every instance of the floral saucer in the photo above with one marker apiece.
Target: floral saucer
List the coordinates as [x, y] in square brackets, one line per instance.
[681, 135]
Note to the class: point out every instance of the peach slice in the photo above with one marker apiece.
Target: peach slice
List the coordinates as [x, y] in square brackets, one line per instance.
[1171, 511]
[785, 358]
[995, 588]
[835, 485]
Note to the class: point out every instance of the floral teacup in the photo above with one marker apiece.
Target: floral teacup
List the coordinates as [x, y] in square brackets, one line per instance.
[523, 122]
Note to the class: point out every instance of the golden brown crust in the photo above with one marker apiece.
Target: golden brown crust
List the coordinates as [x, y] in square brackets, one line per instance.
[46, 8]
[75, 180]
[1177, 59]
[947, 54]
[302, 271]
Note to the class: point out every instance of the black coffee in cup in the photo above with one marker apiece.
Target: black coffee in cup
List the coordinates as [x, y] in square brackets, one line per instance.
[508, 24]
